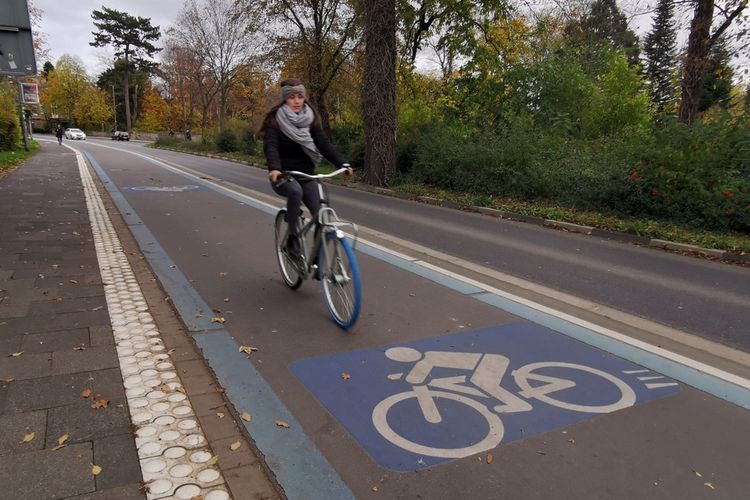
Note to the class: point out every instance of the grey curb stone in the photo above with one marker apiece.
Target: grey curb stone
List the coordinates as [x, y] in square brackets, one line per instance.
[668, 245]
[568, 226]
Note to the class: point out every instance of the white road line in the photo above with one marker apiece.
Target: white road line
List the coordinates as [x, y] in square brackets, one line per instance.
[631, 372]
[655, 377]
[174, 456]
[659, 386]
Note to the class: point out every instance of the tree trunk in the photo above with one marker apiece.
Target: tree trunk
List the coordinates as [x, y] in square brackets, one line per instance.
[379, 91]
[699, 46]
[126, 86]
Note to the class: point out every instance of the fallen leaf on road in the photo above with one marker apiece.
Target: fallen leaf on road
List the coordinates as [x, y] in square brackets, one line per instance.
[283, 424]
[218, 319]
[16, 354]
[697, 473]
[226, 299]
[247, 349]
[247, 417]
[86, 393]
[8, 380]
[28, 437]
[235, 446]
[220, 414]
[572, 441]
[102, 403]
[222, 274]
[79, 348]
[490, 458]
[346, 376]
[96, 470]
[709, 485]
[74, 282]
[62, 438]
[374, 488]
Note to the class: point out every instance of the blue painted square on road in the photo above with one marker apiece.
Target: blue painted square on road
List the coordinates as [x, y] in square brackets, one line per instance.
[417, 404]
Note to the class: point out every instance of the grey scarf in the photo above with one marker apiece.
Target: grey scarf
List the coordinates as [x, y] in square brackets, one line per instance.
[296, 126]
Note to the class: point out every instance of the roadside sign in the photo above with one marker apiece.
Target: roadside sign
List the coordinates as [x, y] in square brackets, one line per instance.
[29, 93]
[16, 42]
[418, 404]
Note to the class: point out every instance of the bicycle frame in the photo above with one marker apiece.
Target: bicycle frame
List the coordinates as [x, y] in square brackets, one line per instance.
[327, 222]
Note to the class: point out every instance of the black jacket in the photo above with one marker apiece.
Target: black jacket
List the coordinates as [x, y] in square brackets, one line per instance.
[282, 153]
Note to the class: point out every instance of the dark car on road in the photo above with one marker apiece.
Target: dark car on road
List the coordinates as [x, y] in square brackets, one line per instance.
[119, 135]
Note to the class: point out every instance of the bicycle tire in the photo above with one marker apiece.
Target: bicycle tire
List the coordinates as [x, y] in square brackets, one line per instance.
[289, 273]
[340, 280]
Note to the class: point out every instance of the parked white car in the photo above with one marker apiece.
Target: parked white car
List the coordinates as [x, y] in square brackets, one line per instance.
[75, 133]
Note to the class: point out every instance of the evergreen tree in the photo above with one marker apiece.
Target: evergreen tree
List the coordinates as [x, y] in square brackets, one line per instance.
[606, 23]
[131, 38]
[660, 55]
[717, 77]
[47, 69]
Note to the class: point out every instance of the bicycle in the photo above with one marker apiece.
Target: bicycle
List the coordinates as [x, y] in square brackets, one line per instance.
[327, 255]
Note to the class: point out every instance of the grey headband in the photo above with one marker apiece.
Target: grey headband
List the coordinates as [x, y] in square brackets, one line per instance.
[288, 90]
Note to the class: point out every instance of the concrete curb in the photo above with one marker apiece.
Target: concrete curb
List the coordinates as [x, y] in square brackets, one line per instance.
[633, 239]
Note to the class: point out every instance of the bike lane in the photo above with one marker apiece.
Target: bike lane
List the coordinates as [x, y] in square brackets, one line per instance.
[610, 432]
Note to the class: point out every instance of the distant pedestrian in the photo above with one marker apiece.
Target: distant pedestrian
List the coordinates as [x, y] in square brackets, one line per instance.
[171, 133]
[59, 134]
[188, 136]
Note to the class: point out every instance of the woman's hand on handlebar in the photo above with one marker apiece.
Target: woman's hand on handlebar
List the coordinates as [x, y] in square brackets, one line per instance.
[349, 171]
[274, 176]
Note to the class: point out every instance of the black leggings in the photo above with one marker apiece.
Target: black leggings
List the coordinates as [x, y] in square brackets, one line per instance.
[296, 193]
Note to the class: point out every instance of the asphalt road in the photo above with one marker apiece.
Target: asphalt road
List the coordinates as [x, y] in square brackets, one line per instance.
[706, 298]
[617, 431]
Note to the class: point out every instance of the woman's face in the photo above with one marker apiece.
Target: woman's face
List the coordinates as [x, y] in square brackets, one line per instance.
[295, 101]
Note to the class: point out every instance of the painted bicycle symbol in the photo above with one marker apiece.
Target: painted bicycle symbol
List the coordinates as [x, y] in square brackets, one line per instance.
[488, 371]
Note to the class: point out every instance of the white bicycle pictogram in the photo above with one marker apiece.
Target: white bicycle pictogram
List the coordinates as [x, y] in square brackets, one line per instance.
[488, 371]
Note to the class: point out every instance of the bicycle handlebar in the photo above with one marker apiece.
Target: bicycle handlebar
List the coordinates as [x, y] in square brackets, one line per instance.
[295, 173]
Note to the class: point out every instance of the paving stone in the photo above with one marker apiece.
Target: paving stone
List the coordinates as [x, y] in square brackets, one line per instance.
[92, 358]
[53, 322]
[182, 353]
[68, 305]
[101, 335]
[228, 458]
[118, 459]
[47, 474]
[54, 341]
[83, 423]
[10, 344]
[207, 404]
[130, 492]
[201, 384]
[215, 427]
[59, 390]
[25, 366]
[250, 482]
[15, 426]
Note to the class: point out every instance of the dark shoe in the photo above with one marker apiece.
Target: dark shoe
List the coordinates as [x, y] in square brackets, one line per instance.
[293, 250]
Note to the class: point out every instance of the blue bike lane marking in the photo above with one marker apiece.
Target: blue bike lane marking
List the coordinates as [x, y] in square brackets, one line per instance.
[477, 389]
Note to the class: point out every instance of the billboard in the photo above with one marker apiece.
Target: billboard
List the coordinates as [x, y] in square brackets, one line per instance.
[29, 93]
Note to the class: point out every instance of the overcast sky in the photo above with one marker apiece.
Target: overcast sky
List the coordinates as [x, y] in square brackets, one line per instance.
[68, 26]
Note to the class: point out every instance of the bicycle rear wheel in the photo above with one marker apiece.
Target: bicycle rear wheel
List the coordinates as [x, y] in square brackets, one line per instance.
[289, 272]
[339, 277]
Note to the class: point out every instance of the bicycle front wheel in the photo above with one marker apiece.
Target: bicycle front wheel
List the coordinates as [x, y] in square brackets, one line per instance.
[289, 272]
[339, 277]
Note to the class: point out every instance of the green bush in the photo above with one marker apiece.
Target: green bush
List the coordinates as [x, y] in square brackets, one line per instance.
[248, 143]
[10, 126]
[226, 141]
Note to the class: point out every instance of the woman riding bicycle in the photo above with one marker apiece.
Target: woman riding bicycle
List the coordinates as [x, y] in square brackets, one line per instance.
[293, 139]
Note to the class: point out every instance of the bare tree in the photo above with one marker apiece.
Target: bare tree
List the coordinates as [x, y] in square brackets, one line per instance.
[326, 34]
[220, 33]
[379, 91]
